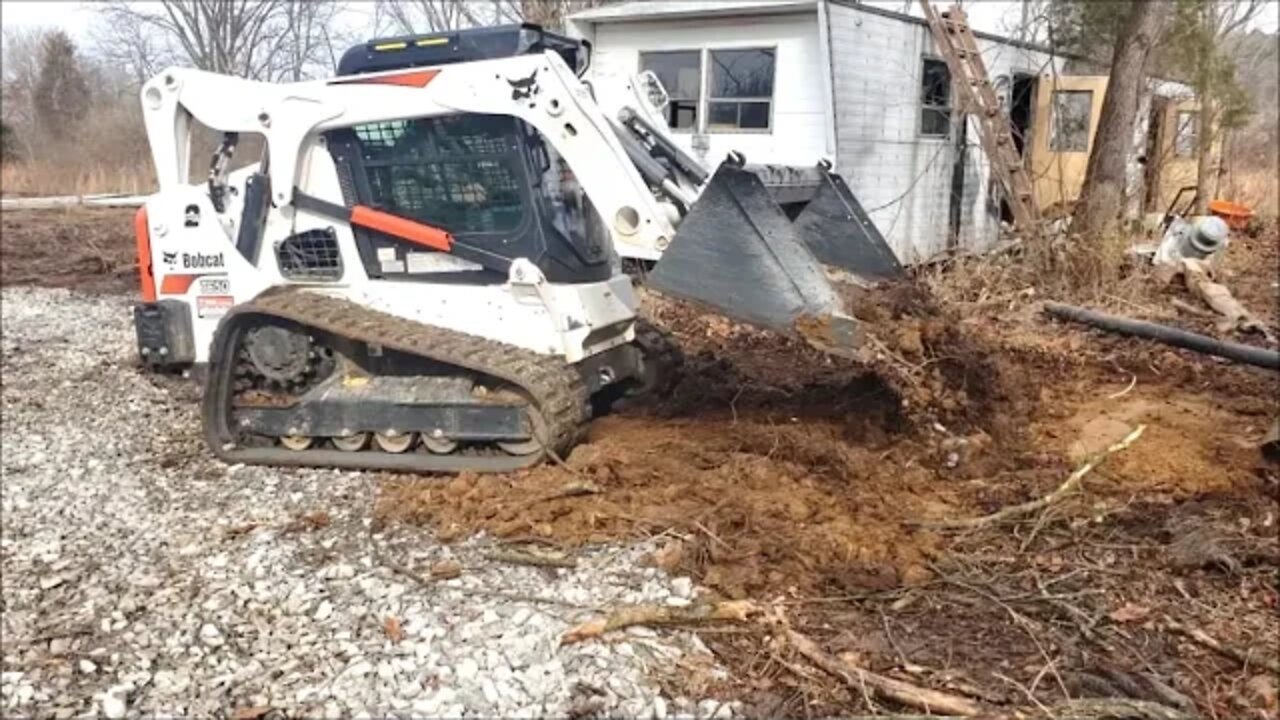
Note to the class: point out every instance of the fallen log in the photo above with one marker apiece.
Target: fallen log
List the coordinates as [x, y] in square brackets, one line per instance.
[1248, 354]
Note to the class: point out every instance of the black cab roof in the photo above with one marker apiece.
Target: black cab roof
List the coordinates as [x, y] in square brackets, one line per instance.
[459, 46]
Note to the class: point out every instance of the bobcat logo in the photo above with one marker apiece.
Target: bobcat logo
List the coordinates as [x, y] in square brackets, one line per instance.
[525, 87]
[170, 258]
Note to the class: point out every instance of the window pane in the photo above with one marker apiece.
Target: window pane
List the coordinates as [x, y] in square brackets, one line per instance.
[935, 84]
[754, 116]
[935, 122]
[682, 114]
[741, 73]
[679, 72]
[461, 173]
[1071, 110]
[1185, 136]
[723, 115]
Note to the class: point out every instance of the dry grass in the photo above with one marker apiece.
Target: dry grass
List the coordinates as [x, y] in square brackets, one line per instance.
[1063, 268]
[1259, 188]
[38, 179]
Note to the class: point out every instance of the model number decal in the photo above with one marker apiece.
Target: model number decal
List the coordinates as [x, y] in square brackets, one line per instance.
[218, 285]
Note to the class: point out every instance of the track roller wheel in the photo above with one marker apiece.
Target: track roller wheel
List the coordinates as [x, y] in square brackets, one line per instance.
[393, 442]
[352, 443]
[296, 442]
[532, 445]
[438, 444]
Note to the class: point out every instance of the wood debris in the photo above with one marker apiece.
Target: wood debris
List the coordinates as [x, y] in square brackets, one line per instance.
[725, 611]
[532, 558]
[887, 688]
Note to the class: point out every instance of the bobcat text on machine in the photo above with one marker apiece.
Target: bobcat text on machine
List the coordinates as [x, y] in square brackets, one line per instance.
[422, 271]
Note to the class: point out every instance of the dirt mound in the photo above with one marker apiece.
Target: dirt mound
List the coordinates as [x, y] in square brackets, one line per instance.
[759, 505]
[778, 466]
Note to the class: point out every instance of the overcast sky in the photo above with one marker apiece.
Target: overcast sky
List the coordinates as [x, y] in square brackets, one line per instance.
[995, 16]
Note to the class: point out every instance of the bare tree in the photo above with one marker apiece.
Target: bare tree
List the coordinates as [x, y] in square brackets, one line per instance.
[259, 39]
[415, 16]
[1203, 37]
[1101, 197]
[127, 40]
[21, 66]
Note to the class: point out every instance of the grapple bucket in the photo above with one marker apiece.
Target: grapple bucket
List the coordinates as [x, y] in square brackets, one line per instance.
[839, 233]
[737, 252]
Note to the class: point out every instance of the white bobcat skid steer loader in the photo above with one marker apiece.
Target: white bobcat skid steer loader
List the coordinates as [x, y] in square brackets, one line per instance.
[420, 274]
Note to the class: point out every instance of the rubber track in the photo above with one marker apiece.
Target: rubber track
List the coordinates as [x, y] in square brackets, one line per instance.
[553, 385]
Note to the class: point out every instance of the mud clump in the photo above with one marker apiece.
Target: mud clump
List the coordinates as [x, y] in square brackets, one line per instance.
[944, 371]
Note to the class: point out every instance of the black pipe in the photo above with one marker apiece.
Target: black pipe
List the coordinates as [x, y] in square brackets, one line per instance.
[1167, 335]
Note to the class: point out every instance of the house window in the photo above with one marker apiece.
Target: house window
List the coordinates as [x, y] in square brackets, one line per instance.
[1072, 110]
[740, 95]
[681, 76]
[935, 99]
[1186, 134]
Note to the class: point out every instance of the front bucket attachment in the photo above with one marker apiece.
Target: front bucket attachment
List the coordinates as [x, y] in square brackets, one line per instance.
[838, 231]
[737, 252]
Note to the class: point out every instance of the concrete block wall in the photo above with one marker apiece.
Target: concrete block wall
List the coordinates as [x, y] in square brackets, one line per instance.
[902, 178]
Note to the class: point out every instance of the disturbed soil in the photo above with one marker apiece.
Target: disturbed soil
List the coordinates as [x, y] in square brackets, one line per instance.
[829, 490]
[89, 249]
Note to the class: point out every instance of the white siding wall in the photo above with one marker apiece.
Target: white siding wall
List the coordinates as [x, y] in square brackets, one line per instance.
[902, 179]
[799, 130]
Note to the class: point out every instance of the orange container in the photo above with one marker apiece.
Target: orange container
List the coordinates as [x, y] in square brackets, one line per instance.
[1236, 215]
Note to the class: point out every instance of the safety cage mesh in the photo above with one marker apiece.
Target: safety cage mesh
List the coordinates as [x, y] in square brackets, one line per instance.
[461, 173]
[310, 255]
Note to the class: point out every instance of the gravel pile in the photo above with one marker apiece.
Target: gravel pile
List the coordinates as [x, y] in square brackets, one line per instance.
[140, 576]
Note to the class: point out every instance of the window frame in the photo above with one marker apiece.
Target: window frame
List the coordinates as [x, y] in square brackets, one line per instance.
[706, 85]
[1194, 128]
[702, 124]
[1054, 122]
[698, 102]
[950, 107]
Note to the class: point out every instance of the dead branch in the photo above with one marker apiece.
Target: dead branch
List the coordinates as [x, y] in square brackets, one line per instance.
[573, 489]
[1190, 309]
[1116, 709]
[520, 557]
[1200, 637]
[726, 611]
[886, 688]
[1061, 491]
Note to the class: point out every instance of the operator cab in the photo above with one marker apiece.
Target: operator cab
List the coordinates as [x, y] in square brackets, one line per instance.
[459, 46]
[491, 181]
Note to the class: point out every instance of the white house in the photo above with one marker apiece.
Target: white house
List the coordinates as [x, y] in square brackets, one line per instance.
[796, 81]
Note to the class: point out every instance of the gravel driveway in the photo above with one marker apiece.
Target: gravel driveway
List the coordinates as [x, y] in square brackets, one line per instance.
[140, 576]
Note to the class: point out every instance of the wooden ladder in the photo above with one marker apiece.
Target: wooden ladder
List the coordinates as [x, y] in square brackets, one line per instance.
[969, 73]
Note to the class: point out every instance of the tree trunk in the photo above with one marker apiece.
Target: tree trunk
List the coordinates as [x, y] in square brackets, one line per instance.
[1204, 154]
[1102, 196]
